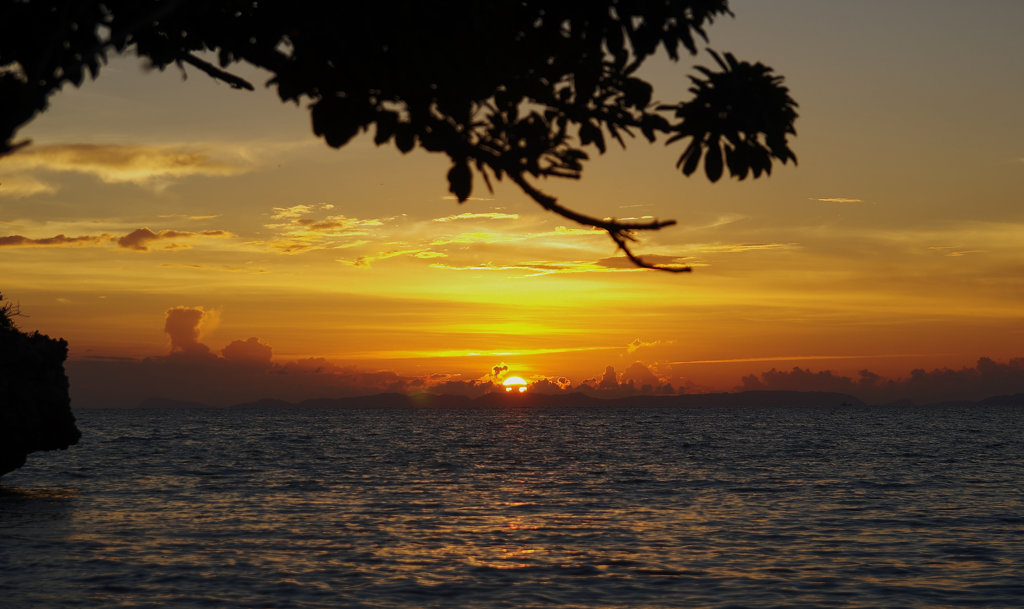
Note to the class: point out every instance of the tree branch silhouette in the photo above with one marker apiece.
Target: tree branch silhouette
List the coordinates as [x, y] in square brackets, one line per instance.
[620, 232]
[523, 88]
[217, 74]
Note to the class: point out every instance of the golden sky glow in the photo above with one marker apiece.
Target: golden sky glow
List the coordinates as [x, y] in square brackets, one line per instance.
[896, 243]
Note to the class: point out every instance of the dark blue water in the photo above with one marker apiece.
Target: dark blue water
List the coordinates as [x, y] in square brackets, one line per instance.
[858, 507]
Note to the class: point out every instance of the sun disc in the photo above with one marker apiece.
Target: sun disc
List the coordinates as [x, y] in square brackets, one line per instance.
[514, 383]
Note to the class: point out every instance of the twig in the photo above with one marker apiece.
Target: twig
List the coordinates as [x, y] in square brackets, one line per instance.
[217, 73]
[620, 232]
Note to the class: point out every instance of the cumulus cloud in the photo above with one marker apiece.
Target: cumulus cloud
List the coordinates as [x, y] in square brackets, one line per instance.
[243, 372]
[609, 380]
[142, 238]
[640, 377]
[471, 388]
[113, 164]
[248, 351]
[182, 325]
[551, 385]
[499, 372]
[55, 241]
[986, 379]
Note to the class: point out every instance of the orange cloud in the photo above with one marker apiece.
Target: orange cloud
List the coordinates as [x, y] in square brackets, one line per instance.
[638, 344]
[836, 200]
[182, 325]
[56, 241]
[141, 238]
[116, 164]
[297, 233]
[625, 264]
[248, 351]
[478, 216]
[221, 268]
[742, 247]
[19, 187]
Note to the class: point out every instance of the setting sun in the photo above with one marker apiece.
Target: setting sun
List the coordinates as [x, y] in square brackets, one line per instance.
[514, 383]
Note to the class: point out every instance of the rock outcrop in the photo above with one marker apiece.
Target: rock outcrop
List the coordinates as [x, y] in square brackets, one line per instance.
[35, 407]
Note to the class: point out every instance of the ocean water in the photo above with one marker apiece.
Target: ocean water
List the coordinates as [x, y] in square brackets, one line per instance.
[598, 507]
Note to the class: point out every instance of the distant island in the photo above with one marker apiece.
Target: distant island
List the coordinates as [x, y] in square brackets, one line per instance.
[740, 399]
[532, 400]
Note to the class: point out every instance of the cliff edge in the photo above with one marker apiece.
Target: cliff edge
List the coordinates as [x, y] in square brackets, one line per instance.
[35, 407]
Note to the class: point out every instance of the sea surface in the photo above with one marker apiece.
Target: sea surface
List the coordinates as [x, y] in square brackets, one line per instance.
[595, 507]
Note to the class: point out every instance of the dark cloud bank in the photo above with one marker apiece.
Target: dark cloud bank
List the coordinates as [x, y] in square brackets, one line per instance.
[244, 372]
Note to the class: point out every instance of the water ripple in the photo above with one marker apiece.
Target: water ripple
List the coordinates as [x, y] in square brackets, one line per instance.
[862, 507]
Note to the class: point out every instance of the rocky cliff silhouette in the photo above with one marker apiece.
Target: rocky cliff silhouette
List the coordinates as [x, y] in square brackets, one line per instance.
[35, 407]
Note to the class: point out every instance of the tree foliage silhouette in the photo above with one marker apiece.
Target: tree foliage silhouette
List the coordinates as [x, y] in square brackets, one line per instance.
[8, 311]
[517, 89]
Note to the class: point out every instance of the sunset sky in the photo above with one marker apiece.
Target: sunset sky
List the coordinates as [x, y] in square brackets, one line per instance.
[896, 243]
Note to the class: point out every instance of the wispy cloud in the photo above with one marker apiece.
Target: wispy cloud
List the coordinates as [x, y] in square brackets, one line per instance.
[836, 200]
[537, 268]
[19, 187]
[453, 353]
[187, 217]
[723, 220]
[478, 216]
[365, 261]
[297, 232]
[216, 268]
[953, 252]
[482, 241]
[467, 238]
[621, 263]
[739, 247]
[638, 344]
[298, 211]
[55, 241]
[117, 164]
